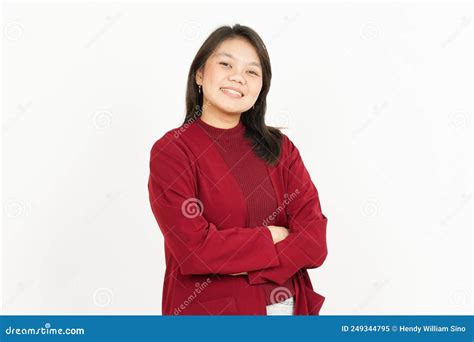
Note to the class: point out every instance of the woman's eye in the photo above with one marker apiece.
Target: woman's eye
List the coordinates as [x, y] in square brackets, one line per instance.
[227, 64]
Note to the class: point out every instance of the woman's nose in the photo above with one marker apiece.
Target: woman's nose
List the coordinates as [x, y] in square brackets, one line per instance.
[237, 77]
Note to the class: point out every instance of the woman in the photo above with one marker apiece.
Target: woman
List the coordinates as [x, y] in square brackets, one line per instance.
[240, 216]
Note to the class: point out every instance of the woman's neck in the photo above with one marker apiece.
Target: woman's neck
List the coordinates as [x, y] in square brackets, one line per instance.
[220, 120]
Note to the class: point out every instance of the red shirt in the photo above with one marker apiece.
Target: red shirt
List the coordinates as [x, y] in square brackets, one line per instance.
[213, 200]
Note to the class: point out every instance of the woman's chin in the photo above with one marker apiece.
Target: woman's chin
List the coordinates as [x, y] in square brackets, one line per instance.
[232, 109]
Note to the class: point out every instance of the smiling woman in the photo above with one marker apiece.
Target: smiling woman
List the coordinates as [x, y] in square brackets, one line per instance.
[230, 61]
[223, 68]
[232, 196]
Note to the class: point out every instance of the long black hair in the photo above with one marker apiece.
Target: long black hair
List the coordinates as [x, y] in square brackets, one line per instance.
[266, 140]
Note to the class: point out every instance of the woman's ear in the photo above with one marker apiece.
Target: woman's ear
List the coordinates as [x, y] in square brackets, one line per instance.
[198, 76]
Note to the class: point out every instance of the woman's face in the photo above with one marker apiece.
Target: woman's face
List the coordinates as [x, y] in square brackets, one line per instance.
[232, 77]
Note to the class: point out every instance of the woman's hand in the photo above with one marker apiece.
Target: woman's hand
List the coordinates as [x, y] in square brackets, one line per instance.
[278, 233]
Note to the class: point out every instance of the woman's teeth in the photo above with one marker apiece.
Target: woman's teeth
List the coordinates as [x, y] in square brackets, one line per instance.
[231, 92]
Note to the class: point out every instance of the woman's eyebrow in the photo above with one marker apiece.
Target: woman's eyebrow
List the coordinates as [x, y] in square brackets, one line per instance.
[230, 56]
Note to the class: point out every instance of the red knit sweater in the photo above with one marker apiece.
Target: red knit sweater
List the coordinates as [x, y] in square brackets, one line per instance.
[212, 223]
[252, 176]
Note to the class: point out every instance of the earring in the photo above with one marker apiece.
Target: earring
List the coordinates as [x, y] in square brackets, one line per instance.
[199, 89]
[253, 107]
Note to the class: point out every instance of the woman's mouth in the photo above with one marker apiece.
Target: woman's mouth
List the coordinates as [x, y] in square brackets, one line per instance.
[231, 92]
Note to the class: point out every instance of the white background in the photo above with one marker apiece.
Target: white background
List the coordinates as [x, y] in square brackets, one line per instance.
[377, 97]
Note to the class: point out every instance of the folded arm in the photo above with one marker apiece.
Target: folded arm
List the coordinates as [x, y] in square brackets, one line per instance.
[305, 247]
[198, 245]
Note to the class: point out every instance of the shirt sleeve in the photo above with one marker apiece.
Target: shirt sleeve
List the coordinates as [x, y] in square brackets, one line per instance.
[198, 245]
[305, 246]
